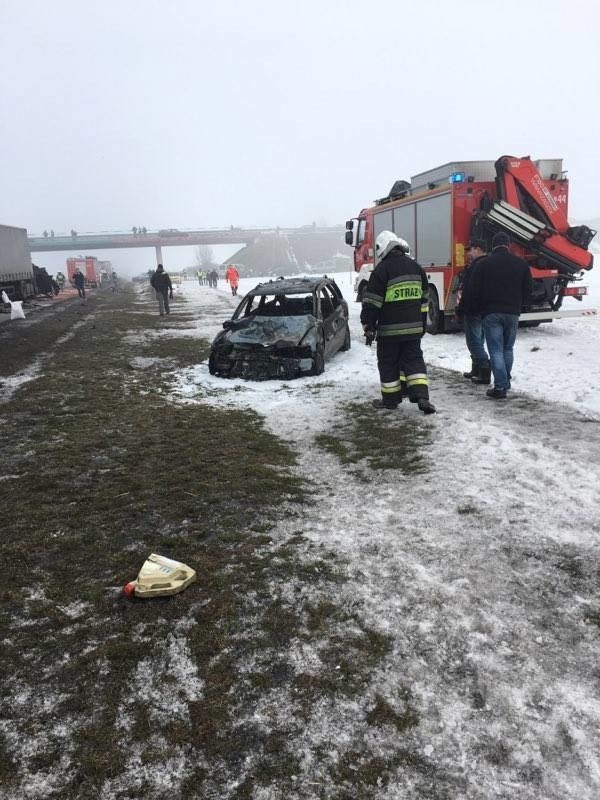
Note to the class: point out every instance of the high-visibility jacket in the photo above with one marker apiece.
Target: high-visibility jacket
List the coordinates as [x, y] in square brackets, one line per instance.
[232, 276]
[396, 299]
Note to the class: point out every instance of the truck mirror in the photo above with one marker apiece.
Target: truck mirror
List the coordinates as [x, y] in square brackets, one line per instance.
[349, 224]
[350, 238]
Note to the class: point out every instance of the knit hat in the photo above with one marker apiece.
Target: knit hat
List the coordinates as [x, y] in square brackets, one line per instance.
[500, 239]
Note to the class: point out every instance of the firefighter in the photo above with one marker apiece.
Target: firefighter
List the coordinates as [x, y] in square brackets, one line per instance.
[499, 287]
[394, 310]
[232, 276]
[79, 282]
[472, 323]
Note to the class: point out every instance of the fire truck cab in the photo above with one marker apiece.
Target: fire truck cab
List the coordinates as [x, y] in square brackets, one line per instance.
[438, 211]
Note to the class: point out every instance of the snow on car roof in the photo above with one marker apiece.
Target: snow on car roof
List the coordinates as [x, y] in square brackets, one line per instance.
[291, 285]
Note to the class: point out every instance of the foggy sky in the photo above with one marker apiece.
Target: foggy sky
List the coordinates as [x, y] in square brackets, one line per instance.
[190, 113]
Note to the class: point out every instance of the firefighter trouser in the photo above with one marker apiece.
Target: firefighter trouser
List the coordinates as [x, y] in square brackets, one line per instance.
[395, 356]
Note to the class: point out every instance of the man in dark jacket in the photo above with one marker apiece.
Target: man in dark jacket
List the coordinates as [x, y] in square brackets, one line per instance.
[500, 284]
[472, 322]
[79, 281]
[395, 309]
[161, 283]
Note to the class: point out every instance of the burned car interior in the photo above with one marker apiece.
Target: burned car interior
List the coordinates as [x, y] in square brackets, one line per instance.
[282, 329]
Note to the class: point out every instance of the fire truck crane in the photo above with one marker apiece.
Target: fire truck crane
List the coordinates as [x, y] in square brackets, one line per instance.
[438, 211]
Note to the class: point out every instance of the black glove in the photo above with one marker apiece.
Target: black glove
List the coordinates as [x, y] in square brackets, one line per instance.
[170, 295]
[369, 337]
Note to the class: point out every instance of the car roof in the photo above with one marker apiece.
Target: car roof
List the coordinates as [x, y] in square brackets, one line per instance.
[292, 285]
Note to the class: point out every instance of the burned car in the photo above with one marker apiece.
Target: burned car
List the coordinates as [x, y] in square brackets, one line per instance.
[285, 328]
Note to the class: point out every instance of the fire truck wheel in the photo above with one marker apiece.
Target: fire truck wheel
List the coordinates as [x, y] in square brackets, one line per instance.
[435, 318]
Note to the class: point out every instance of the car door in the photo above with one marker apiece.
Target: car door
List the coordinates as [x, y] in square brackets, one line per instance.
[333, 321]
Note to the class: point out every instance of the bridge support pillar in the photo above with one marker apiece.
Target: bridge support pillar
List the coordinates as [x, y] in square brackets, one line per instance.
[158, 255]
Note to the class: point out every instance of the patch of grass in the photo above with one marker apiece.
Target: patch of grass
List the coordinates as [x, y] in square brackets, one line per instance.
[108, 472]
[592, 618]
[383, 713]
[368, 439]
[466, 508]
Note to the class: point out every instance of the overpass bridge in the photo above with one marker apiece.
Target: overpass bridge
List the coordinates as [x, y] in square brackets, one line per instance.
[170, 237]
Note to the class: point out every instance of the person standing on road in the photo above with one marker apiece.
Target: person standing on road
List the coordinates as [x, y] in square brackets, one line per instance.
[79, 282]
[232, 276]
[472, 323]
[395, 310]
[500, 284]
[161, 283]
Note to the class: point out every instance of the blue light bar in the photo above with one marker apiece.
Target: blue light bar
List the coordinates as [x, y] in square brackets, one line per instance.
[457, 177]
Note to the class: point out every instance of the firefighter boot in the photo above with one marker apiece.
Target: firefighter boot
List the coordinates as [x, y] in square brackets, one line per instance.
[483, 375]
[426, 406]
[380, 404]
[473, 372]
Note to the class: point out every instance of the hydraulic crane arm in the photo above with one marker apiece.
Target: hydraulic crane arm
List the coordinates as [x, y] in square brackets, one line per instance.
[529, 212]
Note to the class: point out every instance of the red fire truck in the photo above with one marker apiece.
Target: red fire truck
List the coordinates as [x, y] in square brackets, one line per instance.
[438, 211]
[88, 265]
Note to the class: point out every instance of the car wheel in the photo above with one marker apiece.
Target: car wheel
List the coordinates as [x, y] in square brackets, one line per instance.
[347, 341]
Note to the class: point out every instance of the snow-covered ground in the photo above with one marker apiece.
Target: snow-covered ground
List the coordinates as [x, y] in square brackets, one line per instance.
[559, 361]
[482, 571]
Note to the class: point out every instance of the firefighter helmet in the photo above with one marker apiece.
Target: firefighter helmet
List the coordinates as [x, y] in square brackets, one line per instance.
[387, 241]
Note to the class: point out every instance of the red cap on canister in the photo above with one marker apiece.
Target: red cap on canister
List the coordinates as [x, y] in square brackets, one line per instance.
[129, 589]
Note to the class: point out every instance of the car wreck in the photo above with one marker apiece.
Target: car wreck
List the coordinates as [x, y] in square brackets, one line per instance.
[283, 329]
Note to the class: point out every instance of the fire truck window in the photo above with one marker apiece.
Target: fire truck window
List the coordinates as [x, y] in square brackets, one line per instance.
[404, 224]
[382, 222]
[362, 226]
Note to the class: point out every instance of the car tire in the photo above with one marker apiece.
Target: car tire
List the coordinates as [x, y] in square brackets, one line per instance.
[347, 340]
[318, 361]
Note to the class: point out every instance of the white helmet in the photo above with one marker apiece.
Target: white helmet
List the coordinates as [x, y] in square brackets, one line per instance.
[387, 241]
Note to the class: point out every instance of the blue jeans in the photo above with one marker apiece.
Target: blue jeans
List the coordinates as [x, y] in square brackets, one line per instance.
[474, 336]
[500, 334]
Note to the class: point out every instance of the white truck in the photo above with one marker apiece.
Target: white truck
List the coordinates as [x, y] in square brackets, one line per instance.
[16, 271]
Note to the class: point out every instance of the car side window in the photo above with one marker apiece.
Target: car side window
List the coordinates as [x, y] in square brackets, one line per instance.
[335, 300]
[326, 304]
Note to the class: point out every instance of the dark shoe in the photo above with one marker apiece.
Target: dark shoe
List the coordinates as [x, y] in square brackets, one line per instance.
[426, 407]
[473, 370]
[381, 404]
[496, 394]
[483, 375]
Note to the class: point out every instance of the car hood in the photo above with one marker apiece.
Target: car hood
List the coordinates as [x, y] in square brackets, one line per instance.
[270, 331]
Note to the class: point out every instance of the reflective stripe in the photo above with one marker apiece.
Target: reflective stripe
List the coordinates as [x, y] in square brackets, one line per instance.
[407, 290]
[424, 308]
[390, 389]
[418, 382]
[405, 279]
[394, 330]
[374, 299]
[390, 384]
[416, 375]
